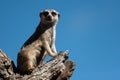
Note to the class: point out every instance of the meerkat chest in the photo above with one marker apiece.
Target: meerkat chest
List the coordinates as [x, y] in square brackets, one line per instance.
[48, 35]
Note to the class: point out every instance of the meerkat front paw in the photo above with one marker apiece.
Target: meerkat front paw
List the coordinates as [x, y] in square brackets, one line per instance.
[54, 54]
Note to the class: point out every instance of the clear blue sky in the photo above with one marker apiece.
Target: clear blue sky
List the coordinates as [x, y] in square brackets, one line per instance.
[89, 29]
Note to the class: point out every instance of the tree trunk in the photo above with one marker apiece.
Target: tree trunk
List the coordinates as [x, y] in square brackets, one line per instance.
[59, 68]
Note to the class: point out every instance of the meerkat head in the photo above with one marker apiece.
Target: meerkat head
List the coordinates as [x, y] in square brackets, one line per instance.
[49, 16]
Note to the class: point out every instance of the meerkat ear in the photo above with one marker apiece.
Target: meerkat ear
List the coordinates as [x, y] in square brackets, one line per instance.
[58, 15]
[40, 14]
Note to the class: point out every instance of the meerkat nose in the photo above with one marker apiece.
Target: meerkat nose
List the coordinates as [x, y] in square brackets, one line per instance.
[49, 18]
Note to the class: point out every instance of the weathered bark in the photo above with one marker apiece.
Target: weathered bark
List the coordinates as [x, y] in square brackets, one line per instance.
[6, 66]
[59, 68]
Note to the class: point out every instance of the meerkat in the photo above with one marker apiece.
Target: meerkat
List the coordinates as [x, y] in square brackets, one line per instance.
[41, 43]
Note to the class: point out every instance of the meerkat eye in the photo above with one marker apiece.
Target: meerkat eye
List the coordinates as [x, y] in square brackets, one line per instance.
[45, 13]
[54, 14]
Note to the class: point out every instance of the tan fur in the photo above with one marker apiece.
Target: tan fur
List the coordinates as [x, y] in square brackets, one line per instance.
[41, 43]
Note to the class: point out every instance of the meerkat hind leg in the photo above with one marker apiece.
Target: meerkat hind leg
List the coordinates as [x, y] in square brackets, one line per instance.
[30, 66]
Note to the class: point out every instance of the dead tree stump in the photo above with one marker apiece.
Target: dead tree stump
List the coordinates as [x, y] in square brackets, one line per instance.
[59, 68]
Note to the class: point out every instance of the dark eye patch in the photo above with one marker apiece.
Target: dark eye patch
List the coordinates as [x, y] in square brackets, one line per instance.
[54, 13]
[45, 13]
